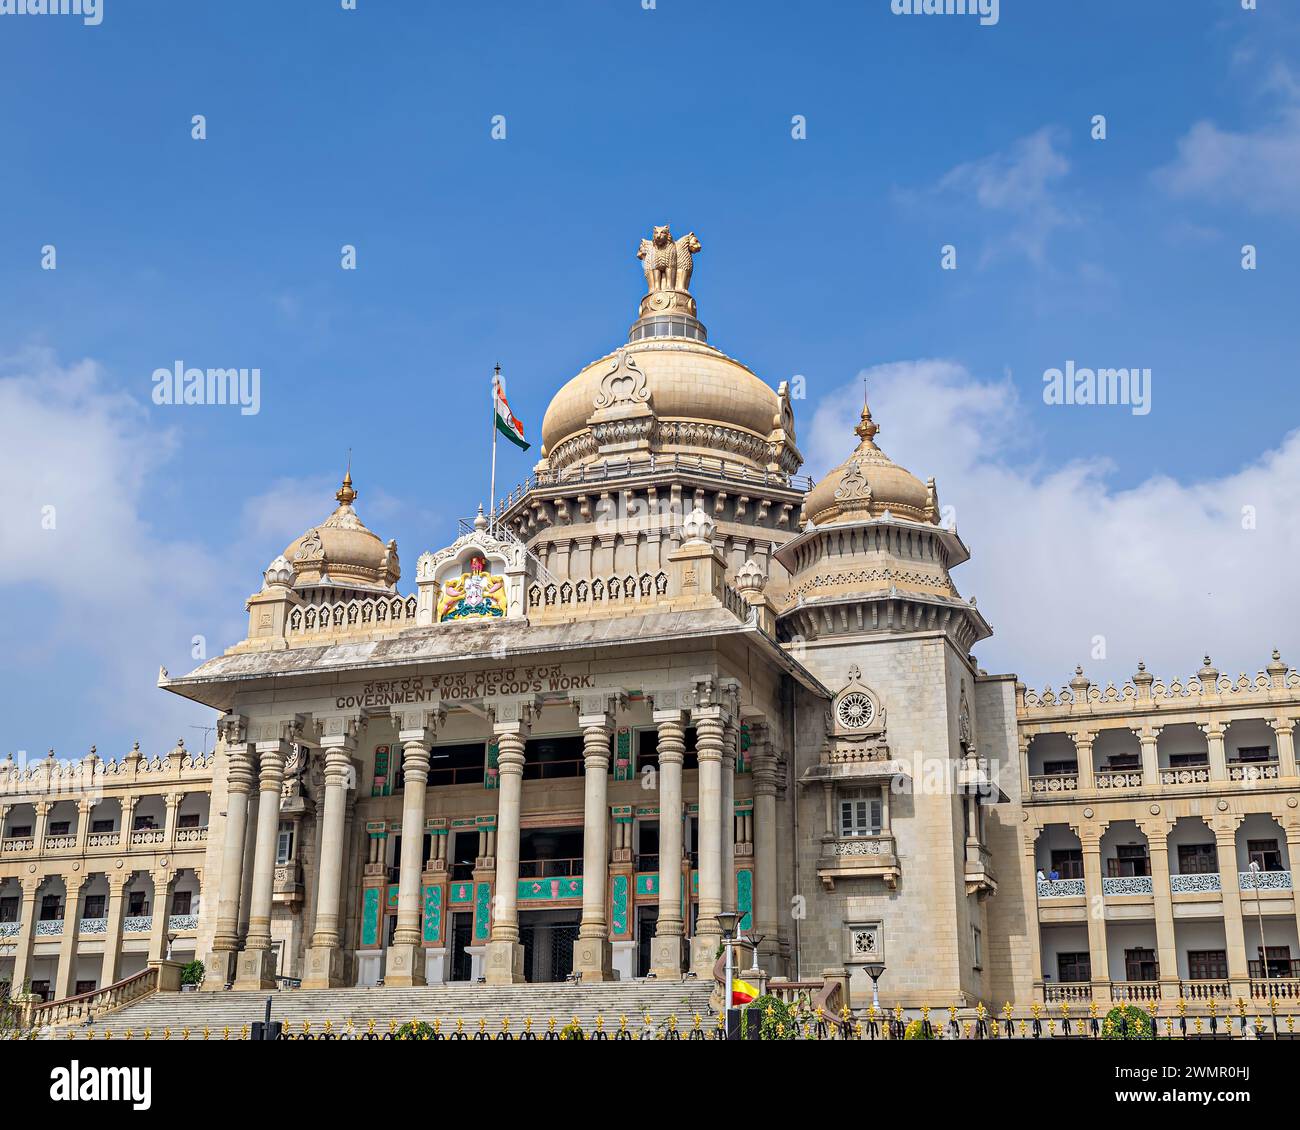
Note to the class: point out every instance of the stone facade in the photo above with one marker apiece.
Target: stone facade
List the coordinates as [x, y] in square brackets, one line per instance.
[663, 683]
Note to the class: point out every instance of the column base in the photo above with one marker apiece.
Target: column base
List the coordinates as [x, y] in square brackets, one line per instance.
[592, 958]
[504, 964]
[256, 970]
[324, 968]
[666, 957]
[221, 968]
[704, 954]
[404, 965]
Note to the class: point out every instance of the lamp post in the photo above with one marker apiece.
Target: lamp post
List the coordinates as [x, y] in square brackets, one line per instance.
[727, 919]
[875, 970]
[1263, 945]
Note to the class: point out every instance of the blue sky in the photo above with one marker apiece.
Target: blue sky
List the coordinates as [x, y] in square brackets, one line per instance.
[821, 258]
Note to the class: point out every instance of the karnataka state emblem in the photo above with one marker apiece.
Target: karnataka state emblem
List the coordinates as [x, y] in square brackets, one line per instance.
[473, 595]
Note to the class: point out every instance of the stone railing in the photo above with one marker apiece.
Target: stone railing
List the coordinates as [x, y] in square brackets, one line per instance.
[183, 923]
[1195, 884]
[86, 1006]
[143, 837]
[60, 843]
[191, 835]
[1275, 988]
[1205, 990]
[91, 773]
[10, 930]
[1119, 779]
[1127, 885]
[1070, 992]
[601, 590]
[1061, 889]
[1054, 783]
[1264, 880]
[103, 839]
[137, 924]
[17, 844]
[1135, 990]
[1252, 771]
[1186, 775]
[93, 926]
[861, 845]
[360, 613]
[49, 928]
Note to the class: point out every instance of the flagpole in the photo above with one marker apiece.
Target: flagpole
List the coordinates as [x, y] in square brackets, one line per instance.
[492, 497]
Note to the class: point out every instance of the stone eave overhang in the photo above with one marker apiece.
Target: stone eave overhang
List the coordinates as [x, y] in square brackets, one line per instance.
[217, 682]
[958, 554]
[981, 626]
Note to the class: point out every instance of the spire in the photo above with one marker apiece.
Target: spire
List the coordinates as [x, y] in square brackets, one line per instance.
[867, 427]
[345, 494]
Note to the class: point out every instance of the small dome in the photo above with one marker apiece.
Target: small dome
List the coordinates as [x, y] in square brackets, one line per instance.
[342, 552]
[867, 484]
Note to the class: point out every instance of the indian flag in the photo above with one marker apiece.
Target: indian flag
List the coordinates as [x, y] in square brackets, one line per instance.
[742, 992]
[507, 424]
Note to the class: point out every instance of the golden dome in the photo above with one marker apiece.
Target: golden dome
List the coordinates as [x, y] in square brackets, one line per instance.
[666, 396]
[867, 484]
[342, 552]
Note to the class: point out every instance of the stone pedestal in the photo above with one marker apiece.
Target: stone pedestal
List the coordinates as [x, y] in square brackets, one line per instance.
[324, 968]
[404, 966]
[221, 967]
[593, 960]
[169, 975]
[666, 957]
[504, 963]
[256, 970]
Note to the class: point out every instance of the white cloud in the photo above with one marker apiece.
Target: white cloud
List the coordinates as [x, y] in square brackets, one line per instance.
[1020, 184]
[1257, 168]
[1164, 570]
[99, 600]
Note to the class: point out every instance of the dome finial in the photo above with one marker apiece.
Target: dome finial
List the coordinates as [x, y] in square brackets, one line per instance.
[345, 494]
[867, 427]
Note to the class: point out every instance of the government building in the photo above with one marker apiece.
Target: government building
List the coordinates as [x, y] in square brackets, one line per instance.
[664, 684]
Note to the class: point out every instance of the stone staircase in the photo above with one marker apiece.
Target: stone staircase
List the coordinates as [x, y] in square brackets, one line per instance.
[218, 1011]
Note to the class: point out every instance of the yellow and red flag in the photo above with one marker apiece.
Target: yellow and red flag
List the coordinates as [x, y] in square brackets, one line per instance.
[742, 992]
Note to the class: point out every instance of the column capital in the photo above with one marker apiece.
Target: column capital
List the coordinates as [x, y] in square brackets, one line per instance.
[340, 731]
[419, 726]
[240, 769]
[513, 715]
[232, 729]
[282, 730]
[670, 698]
[599, 708]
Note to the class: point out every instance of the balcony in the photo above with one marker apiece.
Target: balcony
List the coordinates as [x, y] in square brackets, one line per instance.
[1215, 990]
[549, 868]
[287, 888]
[183, 923]
[93, 926]
[1264, 881]
[49, 928]
[9, 930]
[1061, 889]
[858, 857]
[1069, 992]
[1252, 771]
[191, 836]
[1053, 783]
[1135, 991]
[979, 871]
[60, 843]
[137, 924]
[1195, 884]
[146, 837]
[103, 839]
[1186, 775]
[1127, 885]
[16, 845]
[1114, 780]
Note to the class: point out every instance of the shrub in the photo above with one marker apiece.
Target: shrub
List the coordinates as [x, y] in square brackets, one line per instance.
[192, 974]
[572, 1031]
[776, 1019]
[917, 1030]
[1127, 1022]
[415, 1030]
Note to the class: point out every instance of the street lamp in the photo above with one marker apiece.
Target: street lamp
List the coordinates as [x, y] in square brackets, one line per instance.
[727, 919]
[875, 970]
[170, 939]
[1263, 945]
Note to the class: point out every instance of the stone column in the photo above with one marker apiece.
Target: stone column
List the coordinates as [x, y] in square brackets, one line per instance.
[666, 948]
[592, 959]
[1150, 757]
[1293, 851]
[1033, 922]
[23, 952]
[765, 784]
[1225, 841]
[113, 930]
[1284, 731]
[256, 959]
[1083, 755]
[239, 781]
[710, 729]
[42, 822]
[173, 802]
[1090, 840]
[1213, 732]
[160, 927]
[730, 747]
[404, 963]
[504, 955]
[84, 808]
[324, 958]
[1157, 833]
[68, 943]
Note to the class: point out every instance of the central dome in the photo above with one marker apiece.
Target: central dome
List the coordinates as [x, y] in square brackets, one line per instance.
[668, 392]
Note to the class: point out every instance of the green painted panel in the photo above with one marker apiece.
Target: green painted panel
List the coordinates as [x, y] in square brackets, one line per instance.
[462, 893]
[745, 897]
[370, 916]
[541, 890]
[647, 883]
[490, 775]
[483, 912]
[392, 896]
[619, 904]
[433, 913]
